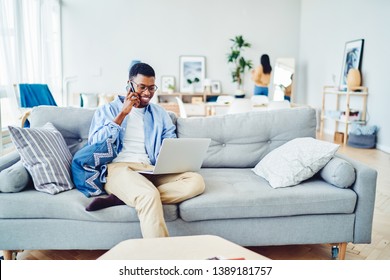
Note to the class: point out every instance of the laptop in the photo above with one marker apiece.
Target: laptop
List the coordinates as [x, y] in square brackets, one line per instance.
[179, 155]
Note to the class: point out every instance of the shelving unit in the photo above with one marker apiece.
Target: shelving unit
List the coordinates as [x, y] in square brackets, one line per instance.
[194, 103]
[347, 94]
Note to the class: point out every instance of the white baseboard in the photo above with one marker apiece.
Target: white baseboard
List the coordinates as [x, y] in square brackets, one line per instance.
[383, 148]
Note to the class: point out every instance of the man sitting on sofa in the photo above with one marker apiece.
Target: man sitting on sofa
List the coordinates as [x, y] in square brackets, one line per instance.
[140, 128]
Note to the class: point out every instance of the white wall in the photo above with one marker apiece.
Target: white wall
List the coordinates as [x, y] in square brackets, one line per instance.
[100, 38]
[325, 28]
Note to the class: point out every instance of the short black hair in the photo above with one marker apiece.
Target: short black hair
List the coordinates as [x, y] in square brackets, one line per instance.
[141, 68]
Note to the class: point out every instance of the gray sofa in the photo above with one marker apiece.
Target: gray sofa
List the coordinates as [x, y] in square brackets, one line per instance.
[237, 204]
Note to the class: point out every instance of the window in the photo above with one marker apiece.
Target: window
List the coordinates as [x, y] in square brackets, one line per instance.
[30, 51]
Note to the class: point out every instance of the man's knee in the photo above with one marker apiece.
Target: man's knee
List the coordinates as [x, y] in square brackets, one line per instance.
[148, 197]
[197, 183]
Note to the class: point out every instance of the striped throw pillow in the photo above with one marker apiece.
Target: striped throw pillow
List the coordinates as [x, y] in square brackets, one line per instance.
[45, 155]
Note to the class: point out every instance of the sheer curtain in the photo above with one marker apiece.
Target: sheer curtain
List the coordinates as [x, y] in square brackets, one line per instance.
[30, 50]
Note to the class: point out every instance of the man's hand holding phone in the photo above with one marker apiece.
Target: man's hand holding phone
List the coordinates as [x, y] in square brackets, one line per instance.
[131, 100]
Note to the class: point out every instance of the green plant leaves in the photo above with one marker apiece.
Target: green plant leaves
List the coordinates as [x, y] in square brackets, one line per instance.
[195, 80]
[235, 57]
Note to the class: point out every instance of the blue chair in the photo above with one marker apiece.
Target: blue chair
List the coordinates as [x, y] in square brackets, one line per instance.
[32, 95]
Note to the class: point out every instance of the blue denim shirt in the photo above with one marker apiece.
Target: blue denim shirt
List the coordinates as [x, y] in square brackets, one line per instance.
[157, 124]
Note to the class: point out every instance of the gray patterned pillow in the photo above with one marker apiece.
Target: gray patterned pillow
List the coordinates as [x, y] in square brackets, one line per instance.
[45, 155]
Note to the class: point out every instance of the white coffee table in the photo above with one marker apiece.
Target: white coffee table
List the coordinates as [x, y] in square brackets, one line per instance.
[197, 247]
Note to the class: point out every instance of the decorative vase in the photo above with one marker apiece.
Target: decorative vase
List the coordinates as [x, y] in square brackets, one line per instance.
[207, 86]
[239, 93]
[353, 78]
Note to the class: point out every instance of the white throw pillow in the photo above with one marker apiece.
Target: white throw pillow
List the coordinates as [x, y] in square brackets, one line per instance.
[295, 161]
[89, 100]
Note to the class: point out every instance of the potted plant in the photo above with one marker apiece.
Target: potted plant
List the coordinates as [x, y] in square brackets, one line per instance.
[240, 64]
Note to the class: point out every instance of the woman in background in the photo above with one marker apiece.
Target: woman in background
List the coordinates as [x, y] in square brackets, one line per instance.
[261, 76]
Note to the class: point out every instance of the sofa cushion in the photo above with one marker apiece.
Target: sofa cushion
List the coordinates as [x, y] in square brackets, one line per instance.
[74, 127]
[70, 205]
[239, 193]
[339, 173]
[295, 161]
[241, 140]
[14, 178]
[46, 157]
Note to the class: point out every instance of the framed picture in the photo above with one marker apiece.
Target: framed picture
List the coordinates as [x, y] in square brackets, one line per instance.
[192, 73]
[167, 83]
[215, 86]
[352, 58]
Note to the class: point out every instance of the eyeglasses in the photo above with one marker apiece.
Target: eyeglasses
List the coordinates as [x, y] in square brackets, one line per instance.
[142, 88]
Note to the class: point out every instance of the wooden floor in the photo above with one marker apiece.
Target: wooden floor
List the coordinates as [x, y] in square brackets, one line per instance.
[379, 249]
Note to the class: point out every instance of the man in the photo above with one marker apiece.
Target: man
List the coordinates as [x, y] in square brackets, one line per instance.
[139, 128]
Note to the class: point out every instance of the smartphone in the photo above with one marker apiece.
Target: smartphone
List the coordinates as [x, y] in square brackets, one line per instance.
[130, 87]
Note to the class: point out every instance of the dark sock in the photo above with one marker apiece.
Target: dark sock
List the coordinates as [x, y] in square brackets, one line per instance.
[104, 202]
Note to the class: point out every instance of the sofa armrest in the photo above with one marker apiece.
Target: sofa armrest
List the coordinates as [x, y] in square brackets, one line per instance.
[365, 188]
[8, 160]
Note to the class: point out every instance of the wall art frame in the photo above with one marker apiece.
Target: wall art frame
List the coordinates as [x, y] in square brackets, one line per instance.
[192, 67]
[215, 87]
[352, 58]
[168, 84]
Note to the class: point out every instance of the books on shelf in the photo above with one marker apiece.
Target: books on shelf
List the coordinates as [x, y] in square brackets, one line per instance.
[354, 115]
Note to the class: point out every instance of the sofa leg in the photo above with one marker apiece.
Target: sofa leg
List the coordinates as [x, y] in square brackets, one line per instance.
[339, 250]
[343, 250]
